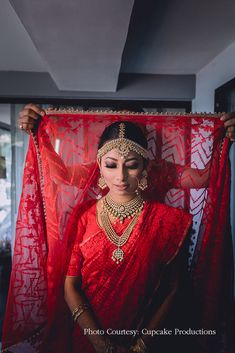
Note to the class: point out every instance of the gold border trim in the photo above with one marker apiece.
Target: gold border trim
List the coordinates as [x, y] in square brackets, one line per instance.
[70, 111]
[39, 162]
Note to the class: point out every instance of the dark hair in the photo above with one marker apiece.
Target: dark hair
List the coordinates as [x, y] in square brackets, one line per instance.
[132, 132]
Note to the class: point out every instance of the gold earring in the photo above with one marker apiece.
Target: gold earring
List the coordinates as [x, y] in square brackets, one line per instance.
[101, 182]
[143, 183]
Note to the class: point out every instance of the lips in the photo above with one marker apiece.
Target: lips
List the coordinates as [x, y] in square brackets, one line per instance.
[122, 187]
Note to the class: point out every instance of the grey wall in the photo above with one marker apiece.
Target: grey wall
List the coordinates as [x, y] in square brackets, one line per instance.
[130, 87]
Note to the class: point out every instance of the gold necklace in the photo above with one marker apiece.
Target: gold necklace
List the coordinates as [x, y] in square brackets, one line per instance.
[123, 210]
[119, 241]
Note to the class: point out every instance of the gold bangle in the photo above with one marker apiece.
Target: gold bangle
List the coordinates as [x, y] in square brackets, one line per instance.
[109, 346]
[78, 311]
[139, 346]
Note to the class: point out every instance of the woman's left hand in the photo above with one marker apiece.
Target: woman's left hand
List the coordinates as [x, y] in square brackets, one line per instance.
[121, 349]
[229, 123]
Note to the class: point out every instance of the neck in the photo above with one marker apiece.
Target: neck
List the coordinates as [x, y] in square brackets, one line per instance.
[122, 198]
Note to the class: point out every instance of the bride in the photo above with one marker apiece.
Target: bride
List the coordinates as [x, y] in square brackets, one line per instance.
[127, 253]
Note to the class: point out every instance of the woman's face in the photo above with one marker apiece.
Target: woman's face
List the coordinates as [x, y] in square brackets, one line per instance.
[121, 174]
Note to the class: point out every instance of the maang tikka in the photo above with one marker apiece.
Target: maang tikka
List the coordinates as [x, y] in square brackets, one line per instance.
[123, 145]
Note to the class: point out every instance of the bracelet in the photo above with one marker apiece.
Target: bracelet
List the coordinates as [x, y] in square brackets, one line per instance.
[109, 346]
[78, 311]
[139, 347]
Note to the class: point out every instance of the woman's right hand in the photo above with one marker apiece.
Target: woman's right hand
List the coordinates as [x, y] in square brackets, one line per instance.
[29, 117]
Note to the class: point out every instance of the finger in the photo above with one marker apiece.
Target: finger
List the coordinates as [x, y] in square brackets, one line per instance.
[31, 113]
[28, 131]
[27, 120]
[224, 116]
[26, 126]
[35, 108]
[231, 137]
[230, 122]
[227, 116]
[231, 133]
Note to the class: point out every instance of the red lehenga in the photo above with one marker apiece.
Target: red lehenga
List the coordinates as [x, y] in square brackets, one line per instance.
[57, 205]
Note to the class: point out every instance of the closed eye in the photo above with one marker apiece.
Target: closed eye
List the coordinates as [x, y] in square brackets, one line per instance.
[110, 165]
[132, 166]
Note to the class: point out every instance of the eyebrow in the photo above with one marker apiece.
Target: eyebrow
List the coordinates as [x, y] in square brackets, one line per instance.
[126, 160]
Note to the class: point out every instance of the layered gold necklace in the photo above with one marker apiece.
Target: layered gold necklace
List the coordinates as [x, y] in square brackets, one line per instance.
[112, 208]
[123, 210]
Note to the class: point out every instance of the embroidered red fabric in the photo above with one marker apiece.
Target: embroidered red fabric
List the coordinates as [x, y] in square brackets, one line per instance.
[188, 169]
[117, 293]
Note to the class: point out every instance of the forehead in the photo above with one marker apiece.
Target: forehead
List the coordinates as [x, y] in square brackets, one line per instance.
[116, 155]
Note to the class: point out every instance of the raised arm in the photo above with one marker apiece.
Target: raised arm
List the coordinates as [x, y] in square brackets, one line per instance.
[76, 175]
[167, 175]
[191, 178]
[229, 123]
[198, 178]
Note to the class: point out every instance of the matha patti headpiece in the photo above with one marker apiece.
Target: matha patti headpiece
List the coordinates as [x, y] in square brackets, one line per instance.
[123, 145]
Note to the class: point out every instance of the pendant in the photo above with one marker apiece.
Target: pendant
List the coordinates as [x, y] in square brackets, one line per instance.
[118, 255]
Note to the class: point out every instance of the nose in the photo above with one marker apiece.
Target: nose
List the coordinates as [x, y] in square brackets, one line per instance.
[121, 174]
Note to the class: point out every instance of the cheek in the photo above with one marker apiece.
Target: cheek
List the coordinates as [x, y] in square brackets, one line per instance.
[107, 174]
[134, 176]
[136, 173]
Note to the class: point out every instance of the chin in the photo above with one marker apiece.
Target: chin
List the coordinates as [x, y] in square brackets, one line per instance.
[120, 192]
[123, 192]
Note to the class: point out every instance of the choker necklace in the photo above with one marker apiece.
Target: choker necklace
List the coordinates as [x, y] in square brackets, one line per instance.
[123, 210]
[119, 241]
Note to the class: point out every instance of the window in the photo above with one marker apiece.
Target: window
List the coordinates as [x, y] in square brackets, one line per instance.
[5, 190]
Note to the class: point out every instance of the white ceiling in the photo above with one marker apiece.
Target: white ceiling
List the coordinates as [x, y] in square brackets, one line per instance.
[17, 51]
[81, 41]
[85, 44]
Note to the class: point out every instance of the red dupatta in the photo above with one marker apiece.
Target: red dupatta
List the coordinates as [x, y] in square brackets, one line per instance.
[61, 173]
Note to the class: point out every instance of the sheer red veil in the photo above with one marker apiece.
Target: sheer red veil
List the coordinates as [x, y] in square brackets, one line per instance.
[61, 174]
